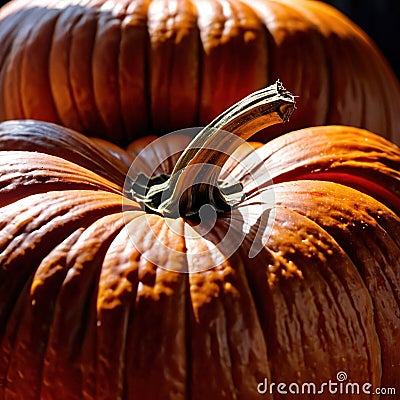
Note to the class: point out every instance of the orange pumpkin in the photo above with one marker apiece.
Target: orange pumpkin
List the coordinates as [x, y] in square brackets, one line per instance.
[120, 69]
[100, 299]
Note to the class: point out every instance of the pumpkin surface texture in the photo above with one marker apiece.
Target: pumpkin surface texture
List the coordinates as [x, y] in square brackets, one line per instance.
[124, 68]
[107, 294]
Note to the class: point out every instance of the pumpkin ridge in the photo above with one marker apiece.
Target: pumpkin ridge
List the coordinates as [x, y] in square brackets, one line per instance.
[5, 52]
[20, 270]
[324, 269]
[368, 343]
[64, 143]
[72, 87]
[12, 90]
[30, 340]
[35, 71]
[60, 67]
[119, 91]
[83, 37]
[76, 302]
[380, 283]
[59, 174]
[379, 76]
[105, 73]
[115, 306]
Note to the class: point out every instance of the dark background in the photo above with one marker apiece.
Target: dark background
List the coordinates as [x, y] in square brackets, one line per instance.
[379, 18]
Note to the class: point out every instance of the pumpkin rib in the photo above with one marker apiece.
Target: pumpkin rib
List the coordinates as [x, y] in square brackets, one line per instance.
[246, 345]
[343, 310]
[342, 63]
[224, 35]
[73, 220]
[156, 349]
[105, 71]
[344, 155]
[25, 175]
[379, 276]
[30, 340]
[60, 142]
[83, 34]
[289, 302]
[34, 69]
[73, 71]
[75, 307]
[223, 315]
[118, 285]
[9, 32]
[160, 36]
[174, 63]
[134, 82]
[60, 65]
[280, 253]
[296, 41]
[368, 54]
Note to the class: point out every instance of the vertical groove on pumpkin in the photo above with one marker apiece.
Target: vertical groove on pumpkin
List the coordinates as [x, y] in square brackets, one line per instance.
[13, 79]
[54, 225]
[80, 72]
[117, 295]
[105, 72]
[352, 232]
[361, 304]
[134, 69]
[119, 67]
[8, 32]
[160, 51]
[376, 259]
[361, 60]
[148, 73]
[155, 350]
[31, 338]
[313, 83]
[59, 68]
[71, 350]
[36, 95]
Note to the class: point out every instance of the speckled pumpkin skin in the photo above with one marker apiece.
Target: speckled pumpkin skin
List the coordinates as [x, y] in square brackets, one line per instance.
[85, 315]
[124, 68]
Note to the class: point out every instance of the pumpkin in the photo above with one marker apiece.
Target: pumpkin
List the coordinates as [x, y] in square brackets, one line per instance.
[291, 275]
[121, 69]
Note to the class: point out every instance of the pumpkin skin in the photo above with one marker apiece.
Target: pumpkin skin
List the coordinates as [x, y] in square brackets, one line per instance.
[120, 69]
[84, 314]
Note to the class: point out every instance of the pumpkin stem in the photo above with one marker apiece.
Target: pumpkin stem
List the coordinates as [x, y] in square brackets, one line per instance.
[193, 187]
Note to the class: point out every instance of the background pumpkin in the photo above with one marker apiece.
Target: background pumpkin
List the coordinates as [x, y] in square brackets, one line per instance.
[84, 314]
[121, 69]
